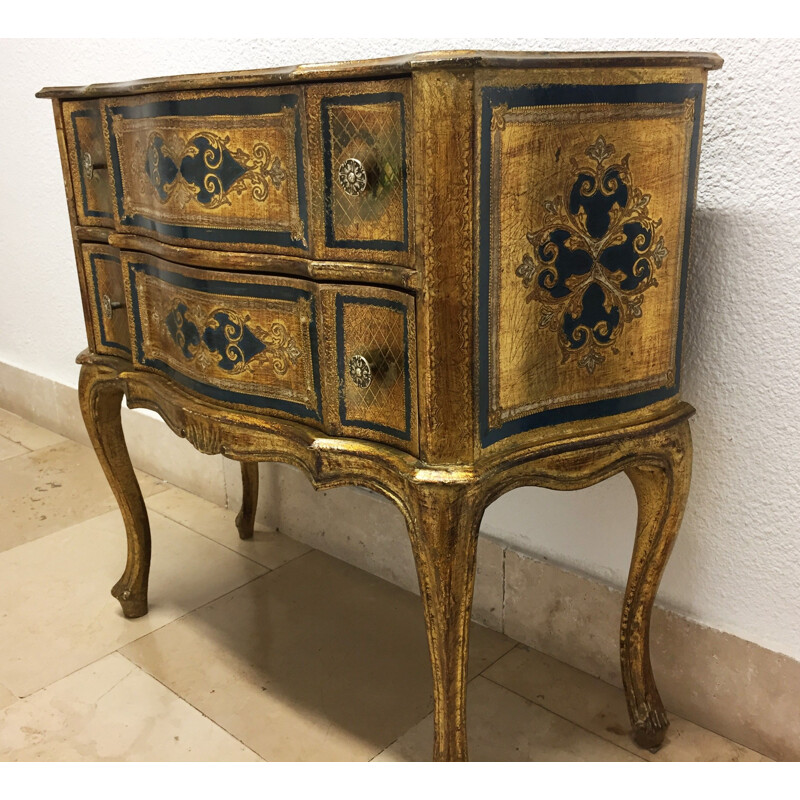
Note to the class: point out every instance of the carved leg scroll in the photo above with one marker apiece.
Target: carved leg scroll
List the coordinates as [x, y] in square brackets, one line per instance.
[661, 482]
[444, 539]
[245, 519]
[101, 399]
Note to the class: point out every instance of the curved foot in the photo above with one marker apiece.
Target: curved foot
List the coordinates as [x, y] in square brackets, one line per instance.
[650, 732]
[134, 603]
[246, 518]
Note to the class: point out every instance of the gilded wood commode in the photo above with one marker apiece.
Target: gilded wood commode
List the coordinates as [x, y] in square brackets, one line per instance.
[440, 276]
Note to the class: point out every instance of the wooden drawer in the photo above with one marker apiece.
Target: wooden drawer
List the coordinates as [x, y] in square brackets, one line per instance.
[246, 340]
[222, 170]
[342, 357]
[87, 163]
[106, 299]
[361, 164]
[372, 364]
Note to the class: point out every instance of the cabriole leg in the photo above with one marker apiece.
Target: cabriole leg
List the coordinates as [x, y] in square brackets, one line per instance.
[661, 481]
[245, 519]
[101, 399]
[444, 538]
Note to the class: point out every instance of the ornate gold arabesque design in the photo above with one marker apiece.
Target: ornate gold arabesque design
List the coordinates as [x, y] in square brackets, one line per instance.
[594, 257]
[230, 341]
[203, 168]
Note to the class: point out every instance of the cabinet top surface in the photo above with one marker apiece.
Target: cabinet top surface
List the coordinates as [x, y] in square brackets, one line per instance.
[391, 66]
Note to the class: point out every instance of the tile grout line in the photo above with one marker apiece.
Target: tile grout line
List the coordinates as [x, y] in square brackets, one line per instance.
[188, 703]
[503, 593]
[27, 450]
[115, 507]
[209, 602]
[514, 645]
[138, 638]
[222, 544]
[566, 719]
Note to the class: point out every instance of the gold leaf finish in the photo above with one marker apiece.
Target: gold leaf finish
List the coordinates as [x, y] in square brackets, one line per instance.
[491, 297]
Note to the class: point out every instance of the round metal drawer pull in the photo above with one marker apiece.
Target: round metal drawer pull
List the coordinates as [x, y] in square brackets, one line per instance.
[353, 177]
[109, 305]
[360, 371]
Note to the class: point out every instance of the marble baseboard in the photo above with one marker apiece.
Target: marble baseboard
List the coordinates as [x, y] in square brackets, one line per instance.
[726, 684]
[719, 681]
[153, 447]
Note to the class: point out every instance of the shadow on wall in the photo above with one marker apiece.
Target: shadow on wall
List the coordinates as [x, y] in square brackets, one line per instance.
[738, 536]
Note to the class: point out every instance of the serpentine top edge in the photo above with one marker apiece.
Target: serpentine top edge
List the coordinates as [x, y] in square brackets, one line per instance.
[390, 67]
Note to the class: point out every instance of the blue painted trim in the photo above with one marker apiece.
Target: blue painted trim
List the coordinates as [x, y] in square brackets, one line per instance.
[405, 435]
[104, 340]
[565, 95]
[330, 234]
[222, 287]
[87, 112]
[211, 106]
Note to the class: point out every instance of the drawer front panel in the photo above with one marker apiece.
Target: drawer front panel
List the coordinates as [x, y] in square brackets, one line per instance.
[87, 163]
[248, 341]
[375, 361]
[362, 149]
[106, 299]
[582, 267]
[221, 170]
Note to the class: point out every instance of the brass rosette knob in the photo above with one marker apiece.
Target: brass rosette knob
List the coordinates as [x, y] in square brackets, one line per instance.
[353, 177]
[360, 371]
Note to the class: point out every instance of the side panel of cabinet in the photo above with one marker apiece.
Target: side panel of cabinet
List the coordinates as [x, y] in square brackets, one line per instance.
[585, 201]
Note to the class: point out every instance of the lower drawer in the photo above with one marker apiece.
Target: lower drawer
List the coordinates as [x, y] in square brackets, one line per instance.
[339, 357]
[372, 346]
[106, 299]
[247, 340]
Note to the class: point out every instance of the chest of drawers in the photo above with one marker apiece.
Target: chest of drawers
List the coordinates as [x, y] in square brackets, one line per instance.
[440, 276]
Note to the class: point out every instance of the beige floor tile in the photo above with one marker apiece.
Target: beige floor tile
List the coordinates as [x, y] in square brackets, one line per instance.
[9, 449]
[28, 434]
[266, 547]
[112, 711]
[315, 661]
[502, 726]
[600, 708]
[365, 530]
[56, 606]
[7, 697]
[55, 487]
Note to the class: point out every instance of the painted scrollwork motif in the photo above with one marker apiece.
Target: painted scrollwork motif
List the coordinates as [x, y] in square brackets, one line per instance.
[231, 342]
[594, 257]
[203, 169]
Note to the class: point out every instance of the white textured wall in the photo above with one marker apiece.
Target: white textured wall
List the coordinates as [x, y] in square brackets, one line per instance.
[736, 566]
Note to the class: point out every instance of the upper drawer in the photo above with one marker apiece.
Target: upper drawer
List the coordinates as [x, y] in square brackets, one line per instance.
[87, 163]
[222, 170]
[361, 166]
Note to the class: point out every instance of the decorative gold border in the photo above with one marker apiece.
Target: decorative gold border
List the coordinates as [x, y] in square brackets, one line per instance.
[572, 113]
